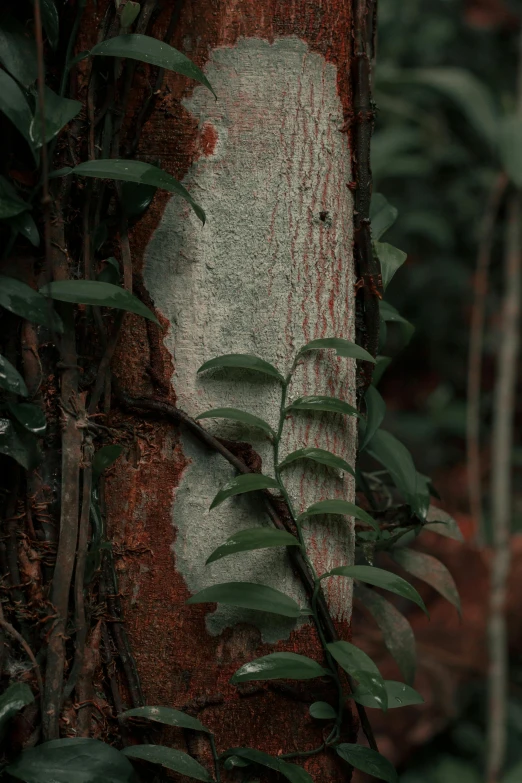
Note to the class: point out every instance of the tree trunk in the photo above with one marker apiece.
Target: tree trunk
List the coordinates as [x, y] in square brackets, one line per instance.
[269, 161]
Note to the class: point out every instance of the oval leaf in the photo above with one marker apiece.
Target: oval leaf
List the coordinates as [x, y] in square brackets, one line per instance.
[18, 50]
[381, 365]
[291, 772]
[249, 482]
[167, 716]
[382, 215]
[92, 292]
[80, 760]
[344, 348]
[129, 14]
[58, 112]
[375, 411]
[379, 578]
[24, 224]
[368, 760]
[169, 758]
[248, 596]
[152, 51]
[254, 538]
[22, 300]
[361, 667]
[14, 105]
[280, 666]
[430, 570]
[395, 457]
[399, 695]
[338, 506]
[396, 631]
[30, 416]
[243, 361]
[12, 700]
[136, 171]
[391, 259]
[104, 458]
[10, 202]
[321, 456]
[10, 378]
[320, 403]
[20, 445]
[236, 415]
[322, 711]
[438, 521]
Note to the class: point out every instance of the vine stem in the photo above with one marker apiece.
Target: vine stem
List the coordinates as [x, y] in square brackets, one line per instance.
[215, 757]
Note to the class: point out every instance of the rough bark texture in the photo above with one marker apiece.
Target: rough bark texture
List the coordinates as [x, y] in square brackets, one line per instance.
[271, 269]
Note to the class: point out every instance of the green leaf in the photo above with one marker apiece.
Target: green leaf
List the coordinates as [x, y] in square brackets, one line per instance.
[381, 365]
[92, 292]
[379, 577]
[249, 482]
[390, 314]
[10, 378]
[382, 215]
[291, 772]
[510, 153]
[50, 22]
[169, 758]
[78, 760]
[24, 224]
[248, 596]
[136, 171]
[361, 667]
[14, 105]
[19, 444]
[390, 452]
[397, 632]
[399, 695]
[111, 272]
[338, 506]
[375, 411]
[20, 299]
[30, 416]
[136, 198]
[18, 51]
[10, 202]
[368, 760]
[391, 259]
[236, 415]
[129, 14]
[322, 711]
[235, 761]
[12, 700]
[430, 570]
[321, 403]
[513, 775]
[104, 458]
[279, 666]
[321, 456]
[152, 51]
[442, 523]
[167, 716]
[58, 112]
[344, 348]
[243, 361]
[253, 538]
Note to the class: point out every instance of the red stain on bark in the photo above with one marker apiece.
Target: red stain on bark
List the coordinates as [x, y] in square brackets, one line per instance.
[208, 139]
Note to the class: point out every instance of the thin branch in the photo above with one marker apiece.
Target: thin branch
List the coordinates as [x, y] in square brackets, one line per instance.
[8, 628]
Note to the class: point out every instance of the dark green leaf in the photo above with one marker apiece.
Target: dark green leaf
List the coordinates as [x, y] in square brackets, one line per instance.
[129, 14]
[430, 570]
[254, 538]
[236, 415]
[243, 361]
[338, 506]
[18, 51]
[291, 772]
[50, 21]
[235, 761]
[442, 523]
[382, 215]
[249, 482]
[399, 695]
[30, 416]
[78, 760]
[322, 711]
[169, 758]
[92, 292]
[136, 171]
[12, 700]
[391, 259]
[22, 300]
[379, 577]
[24, 224]
[390, 314]
[63, 172]
[19, 444]
[58, 112]
[167, 716]
[344, 348]
[10, 202]
[14, 105]
[510, 153]
[152, 51]
[249, 596]
[390, 452]
[375, 411]
[321, 403]
[10, 378]
[111, 272]
[136, 198]
[397, 632]
[361, 667]
[104, 458]
[368, 760]
[279, 666]
[513, 775]
[321, 456]
[381, 365]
